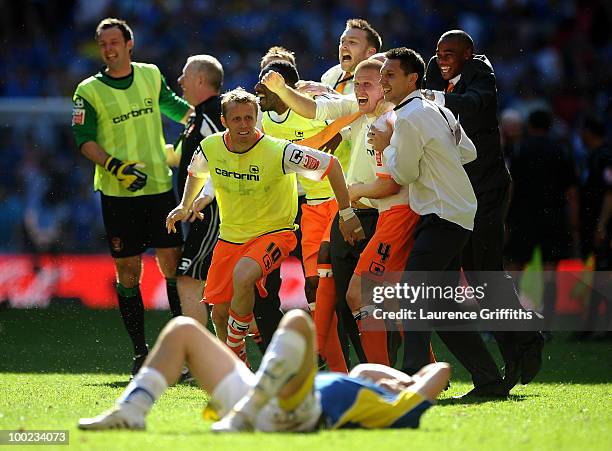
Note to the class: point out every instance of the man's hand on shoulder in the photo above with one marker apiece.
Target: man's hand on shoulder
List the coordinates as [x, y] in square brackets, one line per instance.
[379, 139]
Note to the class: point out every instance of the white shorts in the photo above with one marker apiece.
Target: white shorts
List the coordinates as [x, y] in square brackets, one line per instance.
[272, 418]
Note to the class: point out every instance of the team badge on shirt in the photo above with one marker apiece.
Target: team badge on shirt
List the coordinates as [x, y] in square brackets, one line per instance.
[78, 111]
[116, 244]
[311, 162]
[296, 156]
[307, 161]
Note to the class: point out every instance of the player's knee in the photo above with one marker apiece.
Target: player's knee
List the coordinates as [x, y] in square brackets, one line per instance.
[183, 324]
[246, 272]
[297, 320]
[444, 370]
[178, 327]
[167, 260]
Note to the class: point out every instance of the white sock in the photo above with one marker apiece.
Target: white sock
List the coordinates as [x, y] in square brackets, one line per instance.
[143, 390]
[281, 362]
[363, 312]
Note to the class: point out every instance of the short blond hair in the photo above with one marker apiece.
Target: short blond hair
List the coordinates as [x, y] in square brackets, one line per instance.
[238, 95]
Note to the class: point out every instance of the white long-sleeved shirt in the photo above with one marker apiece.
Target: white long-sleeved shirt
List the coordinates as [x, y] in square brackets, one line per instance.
[362, 164]
[424, 156]
[334, 75]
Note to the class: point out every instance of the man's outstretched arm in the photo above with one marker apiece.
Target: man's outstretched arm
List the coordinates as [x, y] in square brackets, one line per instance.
[301, 104]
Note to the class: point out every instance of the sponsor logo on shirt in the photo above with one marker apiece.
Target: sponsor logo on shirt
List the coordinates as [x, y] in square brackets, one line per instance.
[136, 111]
[307, 161]
[296, 156]
[253, 174]
[311, 162]
[78, 111]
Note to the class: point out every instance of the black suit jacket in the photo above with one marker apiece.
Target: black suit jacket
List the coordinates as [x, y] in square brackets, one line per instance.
[474, 101]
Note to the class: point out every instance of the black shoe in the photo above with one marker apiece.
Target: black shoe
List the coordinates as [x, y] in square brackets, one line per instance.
[492, 390]
[531, 358]
[137, 362]
[394, 341]
[512, 373]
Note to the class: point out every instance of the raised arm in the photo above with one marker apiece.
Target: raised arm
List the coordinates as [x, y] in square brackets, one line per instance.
[300, 103]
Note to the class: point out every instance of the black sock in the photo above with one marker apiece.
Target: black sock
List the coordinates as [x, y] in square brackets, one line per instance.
[132, 313]
[173, 298]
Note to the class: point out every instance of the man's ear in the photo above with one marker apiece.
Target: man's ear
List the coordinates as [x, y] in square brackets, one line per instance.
[130, 44]
[413, 78]
[223, 121]
[371, 51]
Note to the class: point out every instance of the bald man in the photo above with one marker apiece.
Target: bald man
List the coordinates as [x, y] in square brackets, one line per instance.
[465, 83]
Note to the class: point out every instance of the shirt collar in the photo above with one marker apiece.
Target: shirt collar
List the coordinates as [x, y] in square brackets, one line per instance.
[202, 105]
[455, 80]
[415, 93]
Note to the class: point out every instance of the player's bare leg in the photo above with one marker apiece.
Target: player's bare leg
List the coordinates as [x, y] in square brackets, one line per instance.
[285, 368]
[246, 274]
[128, 270]
[220, 316]
[183, 340]
[190, 292]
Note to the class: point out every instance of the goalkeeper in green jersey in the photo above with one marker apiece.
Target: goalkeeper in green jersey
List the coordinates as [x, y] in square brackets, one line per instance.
[116, 121]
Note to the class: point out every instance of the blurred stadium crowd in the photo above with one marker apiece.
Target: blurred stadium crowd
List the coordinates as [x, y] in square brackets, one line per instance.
[551, 55]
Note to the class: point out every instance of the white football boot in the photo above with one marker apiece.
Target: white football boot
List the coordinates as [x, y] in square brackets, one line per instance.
[116, 418]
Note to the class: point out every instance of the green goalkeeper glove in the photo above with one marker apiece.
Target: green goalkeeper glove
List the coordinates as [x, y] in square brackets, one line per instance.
[127, 173]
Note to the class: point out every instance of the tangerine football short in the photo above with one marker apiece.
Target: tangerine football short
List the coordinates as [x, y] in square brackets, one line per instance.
[391, 243]
[267, 250]
[316, 226]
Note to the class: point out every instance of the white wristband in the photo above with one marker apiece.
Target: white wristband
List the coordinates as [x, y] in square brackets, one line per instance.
[346, 213]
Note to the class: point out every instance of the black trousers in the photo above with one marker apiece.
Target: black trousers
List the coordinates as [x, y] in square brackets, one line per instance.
[482, 263]
[437, 247]
[344, 258]
[267, 310]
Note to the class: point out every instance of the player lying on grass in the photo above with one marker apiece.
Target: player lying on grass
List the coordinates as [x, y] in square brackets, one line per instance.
[284, 395]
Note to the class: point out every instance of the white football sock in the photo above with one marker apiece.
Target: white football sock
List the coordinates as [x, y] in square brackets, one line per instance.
[281, 362]
[143, 390]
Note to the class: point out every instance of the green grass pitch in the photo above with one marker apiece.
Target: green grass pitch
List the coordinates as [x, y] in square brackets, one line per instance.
[60, 364]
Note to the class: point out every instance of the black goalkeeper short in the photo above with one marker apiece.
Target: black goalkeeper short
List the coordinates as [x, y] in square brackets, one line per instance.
[200, 243]
[135, 224]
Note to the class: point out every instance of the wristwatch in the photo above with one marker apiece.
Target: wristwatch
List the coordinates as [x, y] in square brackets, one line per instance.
[428, 94]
